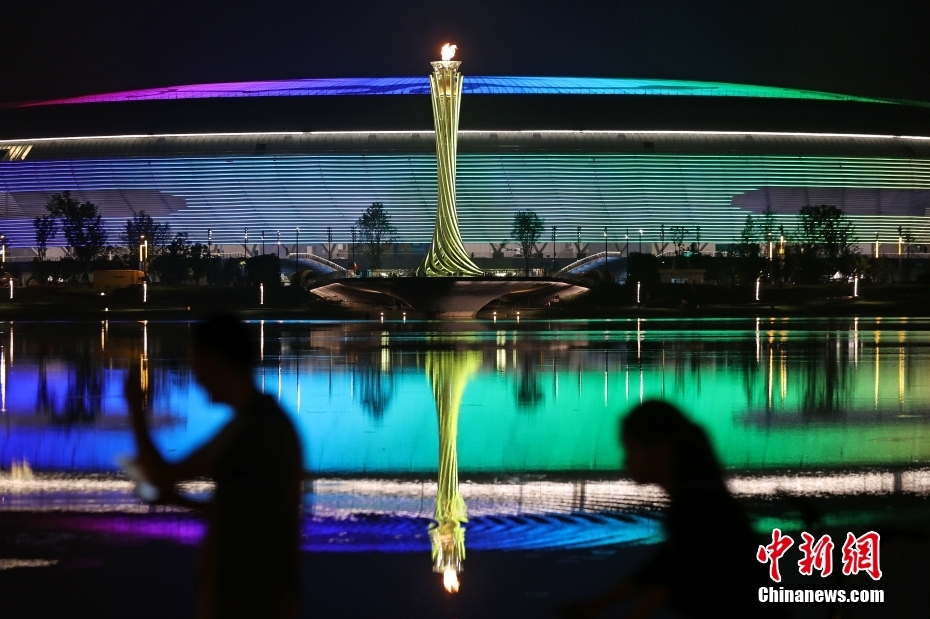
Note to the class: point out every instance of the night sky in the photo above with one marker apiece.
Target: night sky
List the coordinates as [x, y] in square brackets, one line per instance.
[59, 49]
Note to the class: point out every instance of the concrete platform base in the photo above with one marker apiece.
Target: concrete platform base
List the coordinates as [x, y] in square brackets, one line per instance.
[446, 297]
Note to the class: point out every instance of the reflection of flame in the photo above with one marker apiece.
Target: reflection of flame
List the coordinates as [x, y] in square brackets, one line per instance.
[448, 51]
[450, 580]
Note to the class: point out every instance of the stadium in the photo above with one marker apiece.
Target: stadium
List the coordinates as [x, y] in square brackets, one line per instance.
[616, 162]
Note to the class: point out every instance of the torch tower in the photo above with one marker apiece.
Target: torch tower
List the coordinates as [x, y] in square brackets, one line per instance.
[447, 255]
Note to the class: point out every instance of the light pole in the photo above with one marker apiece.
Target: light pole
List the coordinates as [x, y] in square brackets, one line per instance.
[141, 263]
[353, 250]
[279, 245]
[210, 242]
[245, 243]
[899, 251]
[2, 248]
[771, 260]
[640, 240]
[606, 273]
[263, 242]
[554, 265]
[296, 248]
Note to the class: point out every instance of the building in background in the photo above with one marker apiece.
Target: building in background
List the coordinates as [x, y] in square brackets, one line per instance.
[586, 154]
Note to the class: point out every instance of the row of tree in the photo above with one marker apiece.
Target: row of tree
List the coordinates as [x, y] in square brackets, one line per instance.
[175, 258]
[822, 242]
[377, 232]
[170, 255]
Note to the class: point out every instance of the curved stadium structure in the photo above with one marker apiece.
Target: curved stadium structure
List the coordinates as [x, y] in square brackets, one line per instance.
[584, 153]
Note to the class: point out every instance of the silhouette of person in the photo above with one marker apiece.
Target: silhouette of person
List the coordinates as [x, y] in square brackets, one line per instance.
[707, 565]
[249, 561]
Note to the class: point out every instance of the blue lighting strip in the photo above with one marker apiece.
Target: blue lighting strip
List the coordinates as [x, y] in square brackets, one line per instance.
[621, 191]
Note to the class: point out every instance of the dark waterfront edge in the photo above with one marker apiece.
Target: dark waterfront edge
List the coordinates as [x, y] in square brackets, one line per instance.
[607, 301]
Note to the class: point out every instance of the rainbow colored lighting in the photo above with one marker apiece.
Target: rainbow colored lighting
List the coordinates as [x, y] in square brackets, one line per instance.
[617, 190]
[478, 85]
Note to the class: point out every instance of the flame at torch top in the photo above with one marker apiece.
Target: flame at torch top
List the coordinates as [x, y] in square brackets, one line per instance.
[448, 51]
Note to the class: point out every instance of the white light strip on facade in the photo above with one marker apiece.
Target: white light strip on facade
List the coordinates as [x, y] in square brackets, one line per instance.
[522, 131]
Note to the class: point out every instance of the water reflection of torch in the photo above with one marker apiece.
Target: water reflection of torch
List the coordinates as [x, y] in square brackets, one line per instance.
[450, 580]
[449, 372]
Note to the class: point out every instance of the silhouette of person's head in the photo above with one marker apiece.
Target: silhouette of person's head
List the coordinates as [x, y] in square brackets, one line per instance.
[666, 448]
[222, 356]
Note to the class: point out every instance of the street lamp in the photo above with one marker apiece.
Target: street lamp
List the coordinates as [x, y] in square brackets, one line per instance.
[263, 242]
[899, 251]
[554, 265]
[245, 243]
[640, 240]
[279, 244]
[2, 248]
[296, 248]
[141, 259]
[210, 241]
[606, 274]
[353, 249]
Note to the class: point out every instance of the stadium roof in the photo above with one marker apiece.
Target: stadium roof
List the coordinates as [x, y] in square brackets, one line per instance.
[496, 85]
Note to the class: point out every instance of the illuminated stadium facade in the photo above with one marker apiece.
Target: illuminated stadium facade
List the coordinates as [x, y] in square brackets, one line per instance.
[589, 154]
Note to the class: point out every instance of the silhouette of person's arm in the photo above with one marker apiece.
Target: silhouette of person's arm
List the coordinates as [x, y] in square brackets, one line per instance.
[158, 471]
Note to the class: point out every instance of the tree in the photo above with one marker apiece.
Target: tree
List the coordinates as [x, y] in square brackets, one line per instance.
[82, 225]
[749, 238]
[826, 233]
[173, 263]
[826, 229]
[907, 238]
[678, 238]
[769, 227]
[142, 225]
[526, 231]
[46, 227]
[376, 230]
